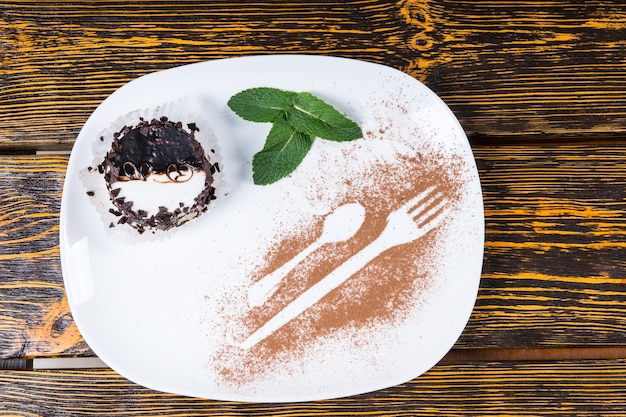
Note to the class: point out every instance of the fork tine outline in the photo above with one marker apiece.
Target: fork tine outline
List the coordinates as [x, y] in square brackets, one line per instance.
[417, 201]
[430, 210]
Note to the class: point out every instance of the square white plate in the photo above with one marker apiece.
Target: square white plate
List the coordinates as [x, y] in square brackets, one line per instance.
[172, 313]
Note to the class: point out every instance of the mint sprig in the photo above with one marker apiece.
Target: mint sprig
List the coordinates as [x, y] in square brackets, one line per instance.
[298, 118]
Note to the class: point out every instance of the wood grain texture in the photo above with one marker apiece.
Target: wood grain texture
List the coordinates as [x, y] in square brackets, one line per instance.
[555, 253]
[508, 68]
[62, 61]
[584, 388]
[511, 68]
[553, 272]
[34, 315]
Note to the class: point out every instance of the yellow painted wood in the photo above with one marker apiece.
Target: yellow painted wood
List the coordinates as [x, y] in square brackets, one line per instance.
[506, 68]
[583, 388]
[554, 266]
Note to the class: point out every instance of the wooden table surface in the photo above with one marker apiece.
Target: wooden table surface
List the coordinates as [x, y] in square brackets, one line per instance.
[539, 87]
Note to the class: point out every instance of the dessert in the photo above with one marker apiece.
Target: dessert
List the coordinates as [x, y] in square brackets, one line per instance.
[158, 175]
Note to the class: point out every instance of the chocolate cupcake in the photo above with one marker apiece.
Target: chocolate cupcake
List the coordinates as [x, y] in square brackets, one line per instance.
[154, 170]
[158, 175]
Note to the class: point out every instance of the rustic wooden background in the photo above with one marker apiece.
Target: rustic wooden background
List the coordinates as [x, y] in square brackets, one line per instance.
[540, 88]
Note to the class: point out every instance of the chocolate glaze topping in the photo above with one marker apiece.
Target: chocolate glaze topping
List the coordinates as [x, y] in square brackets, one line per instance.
[159, 146]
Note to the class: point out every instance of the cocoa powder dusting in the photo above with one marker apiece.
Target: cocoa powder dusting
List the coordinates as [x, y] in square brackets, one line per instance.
[380, 294]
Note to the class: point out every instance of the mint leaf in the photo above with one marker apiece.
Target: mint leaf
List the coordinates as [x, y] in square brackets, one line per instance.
[298, 118]
[284, 150]
[262, 104]
[315, 117]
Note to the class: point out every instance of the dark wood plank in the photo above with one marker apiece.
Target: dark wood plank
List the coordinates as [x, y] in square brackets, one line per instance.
[526, 68]
[34, 314]
[582, 388]
[62, 61]
[553, 271]
[554, 261]
[505, 67]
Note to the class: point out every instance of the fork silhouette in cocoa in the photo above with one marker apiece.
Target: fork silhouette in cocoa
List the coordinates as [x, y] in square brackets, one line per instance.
[408, 223]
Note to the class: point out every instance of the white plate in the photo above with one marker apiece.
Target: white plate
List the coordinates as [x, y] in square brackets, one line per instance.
[172, 313]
